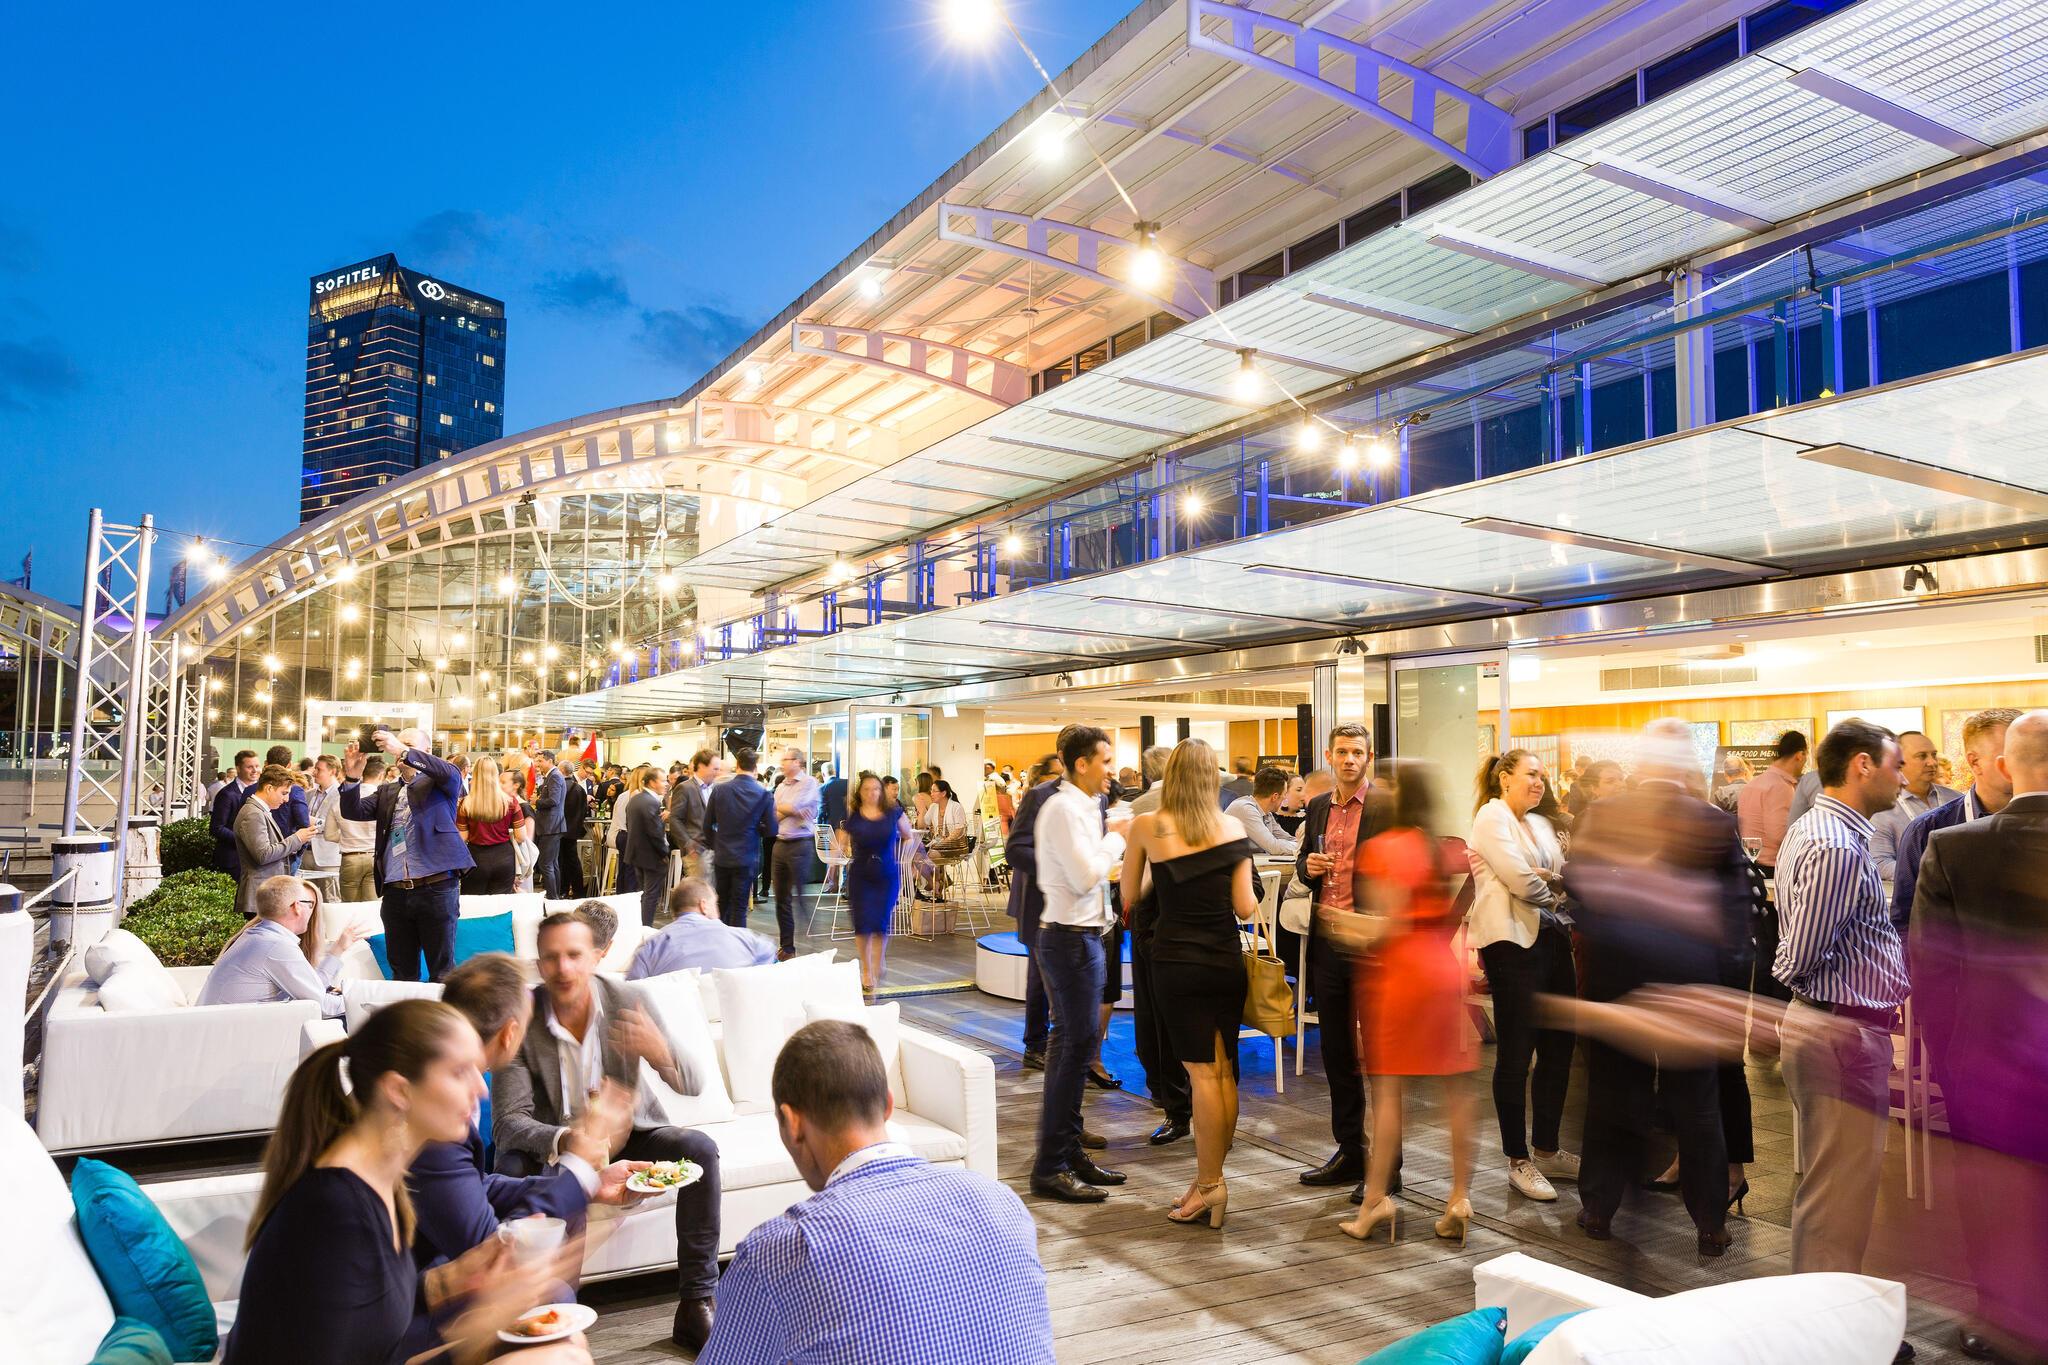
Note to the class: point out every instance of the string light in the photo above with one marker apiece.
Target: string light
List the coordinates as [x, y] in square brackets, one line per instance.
[217, 570]
[1247, 383]
[1379, 454]
[526, 657]
[1309, 438]
[1347, 454]
[352, 670]
[551, 653]
[196, 552]
[270, 663]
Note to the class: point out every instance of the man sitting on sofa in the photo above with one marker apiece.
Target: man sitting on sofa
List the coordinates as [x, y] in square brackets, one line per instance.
[456, 1204]
[696, 937]
[589, 1030]
[264, 962]
[893, 1258]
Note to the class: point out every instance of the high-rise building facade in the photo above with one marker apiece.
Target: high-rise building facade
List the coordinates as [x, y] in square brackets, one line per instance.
[401, 369]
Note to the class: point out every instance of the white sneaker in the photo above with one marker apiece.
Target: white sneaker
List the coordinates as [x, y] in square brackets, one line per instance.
[1528, 1181]
[1559, 1165]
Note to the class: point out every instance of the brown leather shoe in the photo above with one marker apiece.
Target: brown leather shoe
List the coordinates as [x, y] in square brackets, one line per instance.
[693, 1324]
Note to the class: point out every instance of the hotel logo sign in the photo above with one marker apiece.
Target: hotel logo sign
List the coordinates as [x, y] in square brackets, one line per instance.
[433, 289]
[329, 283]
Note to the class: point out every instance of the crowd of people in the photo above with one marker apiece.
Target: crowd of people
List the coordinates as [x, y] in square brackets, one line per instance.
[1680, 927]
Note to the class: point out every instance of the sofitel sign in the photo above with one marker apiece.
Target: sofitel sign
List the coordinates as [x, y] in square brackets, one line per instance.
[356, 276]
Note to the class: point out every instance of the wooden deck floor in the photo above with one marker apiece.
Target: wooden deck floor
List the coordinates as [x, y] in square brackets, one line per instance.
[1279, 1282]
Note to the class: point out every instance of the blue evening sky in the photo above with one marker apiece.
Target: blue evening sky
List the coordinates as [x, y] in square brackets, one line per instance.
[643, 186]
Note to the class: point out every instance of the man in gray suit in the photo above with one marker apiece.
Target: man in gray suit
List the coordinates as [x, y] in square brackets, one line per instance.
[686, 808]
[588, 1033]
[549, 791]
[644, 845]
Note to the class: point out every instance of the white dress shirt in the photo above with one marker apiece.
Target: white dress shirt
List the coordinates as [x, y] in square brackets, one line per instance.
[1074, 856]
[354, 836]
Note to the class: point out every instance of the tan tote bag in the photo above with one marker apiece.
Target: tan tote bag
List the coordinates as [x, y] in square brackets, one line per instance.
[1268, 999]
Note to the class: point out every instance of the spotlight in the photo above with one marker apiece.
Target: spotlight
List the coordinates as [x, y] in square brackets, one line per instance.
[1065, 680]
[484, 677]
[1309, 438]
[871, 287]
[513, 689]
[755, 376]
[1247, 384]
[1920, 577]
[215, 684]
[352, 670]
[212, 713]
[618, 646]
[971, 21]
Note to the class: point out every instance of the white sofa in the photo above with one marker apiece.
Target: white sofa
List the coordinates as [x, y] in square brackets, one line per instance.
[1811, 1319]
[155, 1069]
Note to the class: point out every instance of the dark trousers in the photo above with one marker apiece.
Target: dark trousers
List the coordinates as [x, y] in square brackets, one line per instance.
[734, 882]
[1037, 1009]
[696, 1205]
[1071, 964]
[1515, 976]
[421, 921]
[790, 865]
[1622, 1094]
[1330, 977]
[1166, 1080]
[653, 891]
[1732, 1083]
[548, 864]
[569, 872]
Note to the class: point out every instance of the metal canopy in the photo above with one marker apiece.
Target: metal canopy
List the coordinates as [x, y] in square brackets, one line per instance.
[1749, 144]
[1739, 501]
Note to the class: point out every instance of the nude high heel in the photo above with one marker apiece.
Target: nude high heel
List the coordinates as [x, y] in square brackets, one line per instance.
[1368, 1221]
[1215, 1199]
[1457, 1218]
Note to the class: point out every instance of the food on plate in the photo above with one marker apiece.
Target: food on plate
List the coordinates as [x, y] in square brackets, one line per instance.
[666, 1175]
[541, 1324]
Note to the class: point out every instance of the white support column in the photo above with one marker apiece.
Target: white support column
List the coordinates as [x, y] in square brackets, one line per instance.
[1693, 354]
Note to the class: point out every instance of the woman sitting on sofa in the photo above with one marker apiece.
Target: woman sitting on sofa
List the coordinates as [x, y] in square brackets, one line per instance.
[276, 956]
[331, 1278]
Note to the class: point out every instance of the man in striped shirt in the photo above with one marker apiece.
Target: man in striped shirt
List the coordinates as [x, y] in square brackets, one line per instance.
[1842, 959]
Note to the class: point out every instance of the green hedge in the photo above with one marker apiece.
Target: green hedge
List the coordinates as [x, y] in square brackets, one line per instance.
[188, 919]
[187, 845]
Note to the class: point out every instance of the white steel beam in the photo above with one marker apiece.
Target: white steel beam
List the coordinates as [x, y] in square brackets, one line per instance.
[1486, 149]
[1420, 316]
[1930, 478]
[1684, 559]
[1002, 383]
[1709, 201]
[1191, 290]
[1549, 265]
[1895, 109]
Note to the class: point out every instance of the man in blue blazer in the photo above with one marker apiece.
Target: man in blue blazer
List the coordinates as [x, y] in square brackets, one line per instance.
[739, 813]
[227, 804]
[457, 1203]
[550, 819]
[420, 855]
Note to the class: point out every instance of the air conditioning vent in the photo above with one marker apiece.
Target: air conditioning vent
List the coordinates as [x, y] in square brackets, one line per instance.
[2041, 649]
[1684, 675]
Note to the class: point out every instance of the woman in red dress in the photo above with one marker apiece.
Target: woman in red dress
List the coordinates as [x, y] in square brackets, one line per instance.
[1412, 981]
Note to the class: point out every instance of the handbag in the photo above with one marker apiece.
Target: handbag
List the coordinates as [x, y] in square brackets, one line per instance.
[1268, 999]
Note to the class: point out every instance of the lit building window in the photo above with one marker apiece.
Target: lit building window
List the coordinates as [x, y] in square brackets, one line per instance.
[487, 359]
[446, 420]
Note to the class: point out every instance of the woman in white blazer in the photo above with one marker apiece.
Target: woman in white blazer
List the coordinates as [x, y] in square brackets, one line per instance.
[1526, 949]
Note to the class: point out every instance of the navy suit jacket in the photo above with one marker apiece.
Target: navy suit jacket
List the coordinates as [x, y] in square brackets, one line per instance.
[435, 789]
[549, 810]
[227, 804]
[738, 816]
[459, 1205]
[293, 815]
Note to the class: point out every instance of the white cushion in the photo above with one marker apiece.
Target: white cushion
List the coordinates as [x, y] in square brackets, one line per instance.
[56, 1309]
[678, 1010]
[514, 903]
[881, 1022]
[364, 998]
[764, 1005]
[138, 985]
[1532, 1290]
[336, 916]
[117, 949]
[1819, 1319]
[714, 1009]
[750, 1150]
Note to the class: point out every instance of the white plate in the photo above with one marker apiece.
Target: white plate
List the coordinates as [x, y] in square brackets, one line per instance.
[575, 1318]
[635, 1184]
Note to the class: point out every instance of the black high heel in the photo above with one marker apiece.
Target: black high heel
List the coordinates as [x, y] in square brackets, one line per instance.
[1660, 1186]
[1741, 1192]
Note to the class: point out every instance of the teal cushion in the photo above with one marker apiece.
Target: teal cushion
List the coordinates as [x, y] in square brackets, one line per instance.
[1518, 1350]
[129, 1342]
[477, 934]
[147, 1271]
[1473, 1339]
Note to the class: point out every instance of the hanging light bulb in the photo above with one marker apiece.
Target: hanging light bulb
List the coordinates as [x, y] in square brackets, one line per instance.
[666, 583]
[1148, 263]
[1247, 383]
[196, 552]
[1379, 454]
[484, 677]
[871, 287]
[507, 585]
[551, 653]
[1309, 437]
[350, 613]
[440, 665]
[352, 670]
[215, 684]
[457, 640]
[840, 571]
[346, 571]
[1191, 503]
[526, 657]
[618, 646]
[217, 569]
[1012, 546]
[1347, 454]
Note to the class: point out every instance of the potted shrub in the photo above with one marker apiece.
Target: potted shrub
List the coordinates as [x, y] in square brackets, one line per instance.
[188, 919]
[187, 845]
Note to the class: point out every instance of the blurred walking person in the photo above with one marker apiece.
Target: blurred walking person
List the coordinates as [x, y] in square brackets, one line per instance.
[1411, 1013]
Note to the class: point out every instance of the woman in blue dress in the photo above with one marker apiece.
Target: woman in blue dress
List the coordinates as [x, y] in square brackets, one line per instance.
[868, 839]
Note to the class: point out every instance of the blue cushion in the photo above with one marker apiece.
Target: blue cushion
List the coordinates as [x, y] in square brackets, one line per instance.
[477, 934]
[1518, 1350]
[147, 1271]
[1473, 1339]
[129, 1342]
